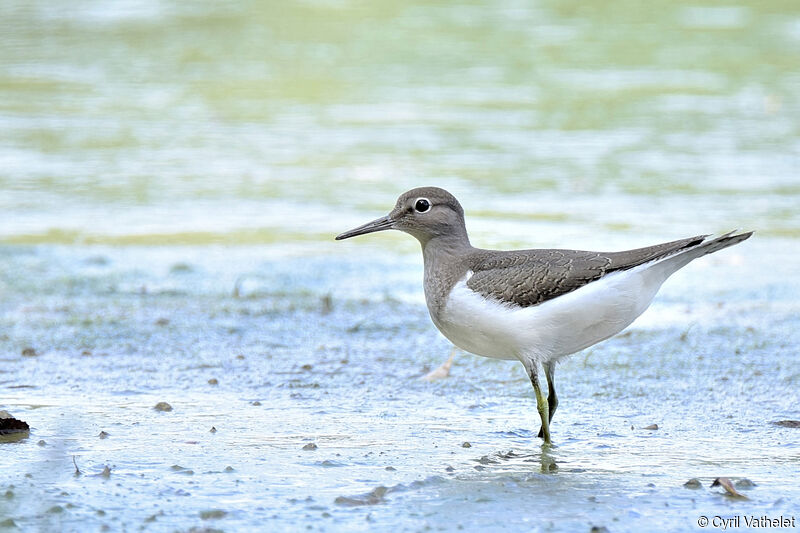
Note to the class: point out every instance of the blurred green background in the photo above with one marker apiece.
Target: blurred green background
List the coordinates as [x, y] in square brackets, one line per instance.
[159, 122]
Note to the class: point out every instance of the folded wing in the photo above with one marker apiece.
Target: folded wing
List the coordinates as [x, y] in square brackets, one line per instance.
[529, 277]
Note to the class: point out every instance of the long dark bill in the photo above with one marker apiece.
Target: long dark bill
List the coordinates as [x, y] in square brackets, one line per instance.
[379, 224]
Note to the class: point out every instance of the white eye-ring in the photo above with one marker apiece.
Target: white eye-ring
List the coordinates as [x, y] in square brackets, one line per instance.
[422, 205]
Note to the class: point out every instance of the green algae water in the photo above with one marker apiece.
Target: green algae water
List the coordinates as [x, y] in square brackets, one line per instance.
[173, 174]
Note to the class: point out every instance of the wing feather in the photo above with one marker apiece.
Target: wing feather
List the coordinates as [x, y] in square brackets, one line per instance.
[530, 277]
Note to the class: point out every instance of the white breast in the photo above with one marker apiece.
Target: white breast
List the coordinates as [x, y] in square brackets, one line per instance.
[552, 329]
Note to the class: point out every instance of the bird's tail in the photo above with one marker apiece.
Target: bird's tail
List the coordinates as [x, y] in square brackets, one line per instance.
[709, 244]
[712, 245]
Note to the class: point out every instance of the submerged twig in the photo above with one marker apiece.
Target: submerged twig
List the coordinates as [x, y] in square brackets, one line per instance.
[77, 470]
[726, 484]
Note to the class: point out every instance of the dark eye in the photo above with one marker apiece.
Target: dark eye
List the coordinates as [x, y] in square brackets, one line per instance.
[422, 205]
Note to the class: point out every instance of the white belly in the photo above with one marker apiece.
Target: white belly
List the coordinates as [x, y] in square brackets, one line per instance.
[552, 329]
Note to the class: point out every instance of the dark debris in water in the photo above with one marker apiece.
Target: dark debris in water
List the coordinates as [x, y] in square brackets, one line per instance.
[378, 494]
[510, 454]
[373, 497]
[11, 426]
[788, 423]
[29, 352]
[693, 483]
[310, 446]
[182, 470]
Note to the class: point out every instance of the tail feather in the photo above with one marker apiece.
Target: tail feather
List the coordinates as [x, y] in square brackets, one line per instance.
[721, 242]
[672, 263]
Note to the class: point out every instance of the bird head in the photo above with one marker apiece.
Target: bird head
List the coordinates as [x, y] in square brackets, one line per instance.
[424, 212]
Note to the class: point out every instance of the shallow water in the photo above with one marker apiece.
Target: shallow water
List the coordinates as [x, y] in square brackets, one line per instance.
[118, 330]
[173, 175]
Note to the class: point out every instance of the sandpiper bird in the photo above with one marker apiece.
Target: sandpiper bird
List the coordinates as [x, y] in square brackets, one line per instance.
[535, 306]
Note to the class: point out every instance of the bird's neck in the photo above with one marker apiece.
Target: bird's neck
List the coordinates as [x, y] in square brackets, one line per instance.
[443, 258]
[443, 247]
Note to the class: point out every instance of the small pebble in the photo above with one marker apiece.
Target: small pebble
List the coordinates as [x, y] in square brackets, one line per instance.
[42, 443]
[103, 435]
[466, 445]
[213, 381]
[693, 483]
[310, 446]
[180, 268]
[651, 427]
[228, 469]
[213, 430]
[256, 403]
[212, 514]
[391, 469]
[106, 472]
[163, 406]
[29, 352]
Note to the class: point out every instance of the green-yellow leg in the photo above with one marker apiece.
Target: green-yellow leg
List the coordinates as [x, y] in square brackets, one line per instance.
[542, 406]
[552, 399]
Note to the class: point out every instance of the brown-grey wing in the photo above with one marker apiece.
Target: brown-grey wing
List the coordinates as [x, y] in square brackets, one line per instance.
[530, 277]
